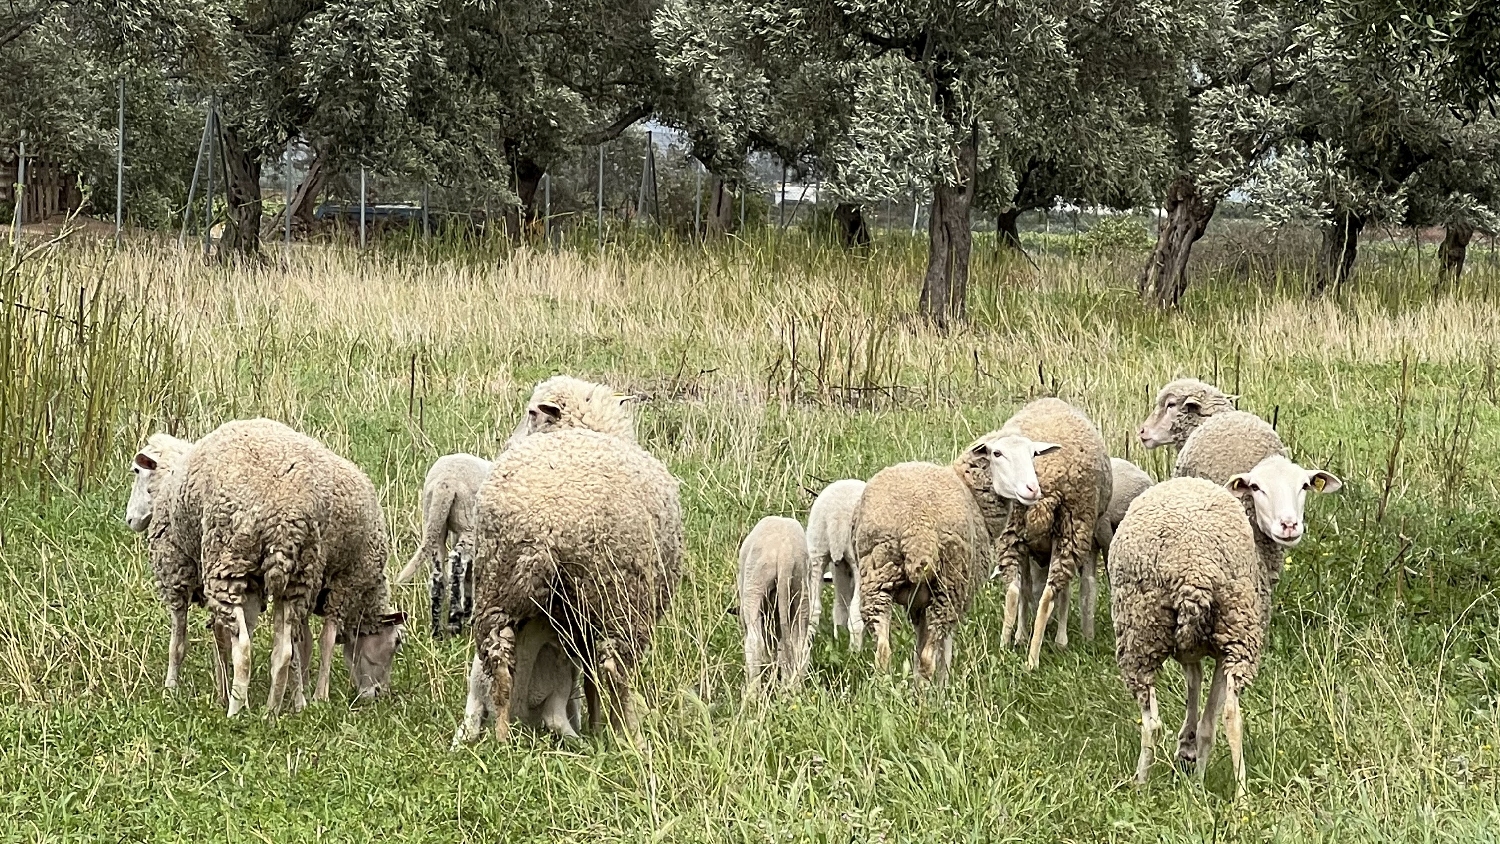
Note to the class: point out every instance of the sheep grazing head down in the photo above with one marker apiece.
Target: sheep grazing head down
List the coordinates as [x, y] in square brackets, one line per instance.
[369, 656]
[1012, 466]
[1181, 407]
[1278, 488]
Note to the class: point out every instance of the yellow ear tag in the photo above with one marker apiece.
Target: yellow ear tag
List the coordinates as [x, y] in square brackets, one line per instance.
[1319, 482]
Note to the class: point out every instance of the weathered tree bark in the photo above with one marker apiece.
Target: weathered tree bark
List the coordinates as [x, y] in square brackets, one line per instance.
[720, 212]
[1337, 252]
[945, 288]
[1007, 229]
[528, 178]
[242, 197]
[1165, 278]
[1453, 252]
[304, 201]
[852, 230]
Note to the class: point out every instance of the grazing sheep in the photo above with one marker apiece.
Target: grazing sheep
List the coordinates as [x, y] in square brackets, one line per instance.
[584, 529]
[921, 534]
[178, 575]
[830, 545]
[1186, 582]
[1181, 407]
[543, 690]
[448, 497]
[563, 402]
[1059, 525]
[285, 521]
[773, 586]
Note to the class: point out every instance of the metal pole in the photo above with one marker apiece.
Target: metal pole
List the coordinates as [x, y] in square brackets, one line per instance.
[361, 206]
[742, 207]
[208, 191]
[916, 208]
[781, 199]
[426, 200]
[289, 195]
[187, 210]
[547, 208]
[601, 196]
[120, 169]
[697, 197]
[20, 192]
[640, 196]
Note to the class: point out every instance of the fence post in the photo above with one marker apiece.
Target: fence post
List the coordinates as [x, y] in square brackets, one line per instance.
[916, 208]
[601, 197]
[208, 189]
[697, 196]
[289, 195]
[781, 197]
[547, 209]
[743, 189]
[187, 210]
[426, 201]
[362, 206]
[120, 169]
[20, 192]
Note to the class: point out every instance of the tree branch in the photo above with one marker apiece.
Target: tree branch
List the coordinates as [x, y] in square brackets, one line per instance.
[626, 119]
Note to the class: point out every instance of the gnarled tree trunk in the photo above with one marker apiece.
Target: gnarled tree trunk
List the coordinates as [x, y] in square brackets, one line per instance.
[1453, 252]
[720, 211]
[242, 197]
[528, 178]
[304, 200]
[1007, 229]
[1188, 210]
[1337, 252]
[945, 288]
[852, 230]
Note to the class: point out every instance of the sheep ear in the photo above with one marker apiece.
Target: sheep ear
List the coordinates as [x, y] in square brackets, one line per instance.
[1038, 449]
[980, 447]
[1324, 482]
[145, 461]
[733, 610]
[623, 400]
[1238, 484]
[549, 409]
[1192, 405]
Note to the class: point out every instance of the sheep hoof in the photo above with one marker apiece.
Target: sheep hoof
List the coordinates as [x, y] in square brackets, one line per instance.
[1187, 754]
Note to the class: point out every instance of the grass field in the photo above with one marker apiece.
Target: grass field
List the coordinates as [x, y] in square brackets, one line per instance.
[768, 370]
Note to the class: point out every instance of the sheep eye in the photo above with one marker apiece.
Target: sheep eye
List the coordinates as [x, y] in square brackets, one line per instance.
[1307, 485]
[1171, 404]
[1255, 487]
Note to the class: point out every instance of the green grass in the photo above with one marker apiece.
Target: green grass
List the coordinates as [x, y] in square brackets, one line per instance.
[769, 369]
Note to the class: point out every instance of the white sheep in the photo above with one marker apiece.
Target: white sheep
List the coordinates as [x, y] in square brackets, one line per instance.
[1187, 582]
[177, 571]
[448, 496]
[773, 586]
[544, 692]
[830, 545]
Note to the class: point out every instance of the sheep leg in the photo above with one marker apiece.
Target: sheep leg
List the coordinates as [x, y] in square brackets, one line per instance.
[591, 699]
[1234, 733]
[466, 583]
[239, 693]
[1208, 723]
[499, 660]
[477, 708]
[177, 648]
[1063, 605]
[846, 585]
[815, 591]
[437, 590]
[304, 665]
[460, 590]
[1038, 632]
[755, 648]
[843, 591]
[1088, 597]
[1150, 722]
[282, 651]
[921, 666]
[622, 714]
[877, 615]
[1187, 737]
[325, 657]
[223, 641]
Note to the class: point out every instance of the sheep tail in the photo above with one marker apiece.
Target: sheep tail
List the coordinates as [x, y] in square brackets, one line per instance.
[435, 514]
[1195, 612]
[921, 546]
[293, 555]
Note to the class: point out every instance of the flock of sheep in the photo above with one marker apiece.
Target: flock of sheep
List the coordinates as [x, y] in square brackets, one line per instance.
[565, 552]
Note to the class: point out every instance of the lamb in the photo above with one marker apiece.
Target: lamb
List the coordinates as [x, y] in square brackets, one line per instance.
[921, 534]
[285, 521]
[448, 497]
[1058, 526]
[1186, 582]
[773, 586]
[585, 530]
[830, 545]
[543, 693]
[1181, 406]
[1128, 481]
[179, 579]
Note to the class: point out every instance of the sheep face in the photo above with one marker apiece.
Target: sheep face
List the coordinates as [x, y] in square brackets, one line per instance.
[1181, 407]
[138, 508]
[1012, 467]
[1278, 489]
[370, 656]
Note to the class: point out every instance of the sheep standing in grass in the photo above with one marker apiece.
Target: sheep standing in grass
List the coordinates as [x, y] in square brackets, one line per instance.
[1058, 526]
[773, 586]
[1186, 582]
[921, 536]
[284, 521]
[830, 545]
[1181, 407]
[1127, 481]
[544, 689]
[583, 529]
[448, 497]
[178, 574]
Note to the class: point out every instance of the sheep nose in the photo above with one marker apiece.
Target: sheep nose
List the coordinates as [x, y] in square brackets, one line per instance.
[1032, 491]
[1291, 528]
